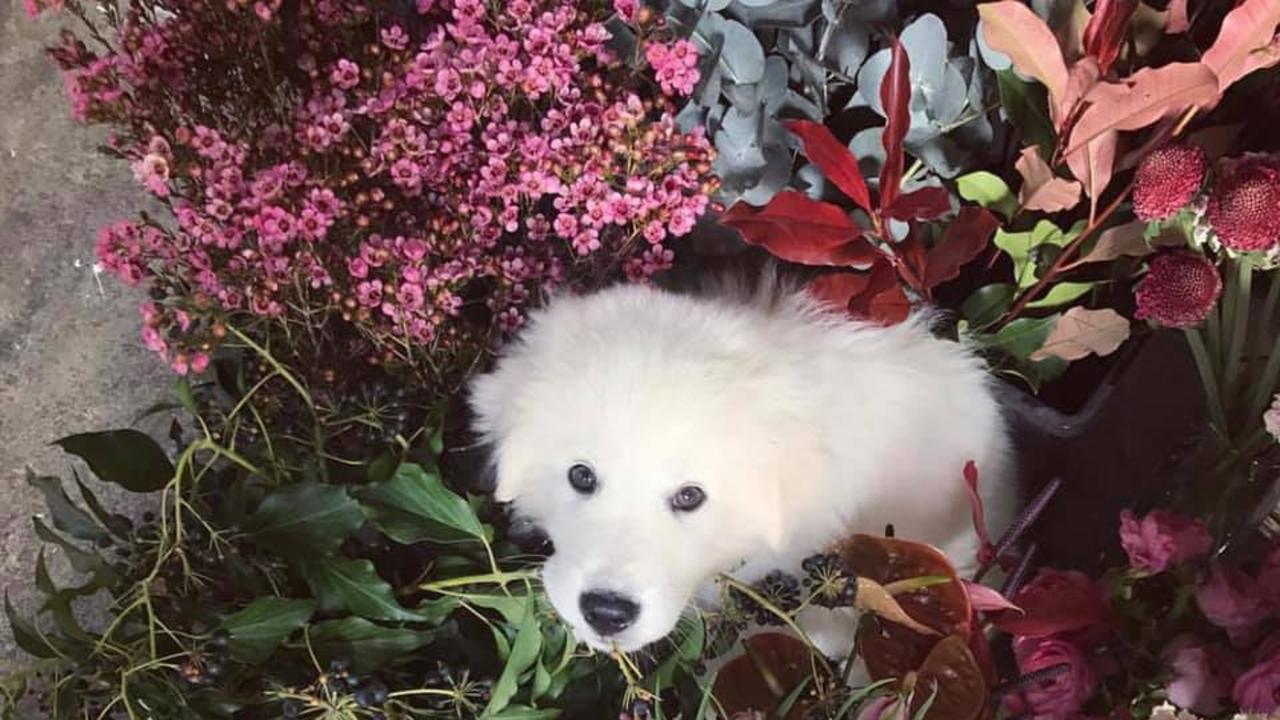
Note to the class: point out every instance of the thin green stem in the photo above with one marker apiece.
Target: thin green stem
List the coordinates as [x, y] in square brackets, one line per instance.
[500, 578]
[1212, 395]
[1239, 327]
[1265, 386]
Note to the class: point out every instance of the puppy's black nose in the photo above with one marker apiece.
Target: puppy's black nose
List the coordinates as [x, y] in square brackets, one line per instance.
[608, 613]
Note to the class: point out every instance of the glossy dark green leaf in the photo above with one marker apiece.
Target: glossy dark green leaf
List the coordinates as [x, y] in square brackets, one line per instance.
[26, 635]
[437, 610]
[987, 304]
[257, 630]
[126, 457]
[67, 516]
[524, 653]
[81, 560]
[304, 520]
[1027, 105]
[342, 584]
[521, 712]
[117, 524]
[414, 505]
[368, 645]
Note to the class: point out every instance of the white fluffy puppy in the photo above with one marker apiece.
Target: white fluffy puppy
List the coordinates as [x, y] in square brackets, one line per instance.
[662, 438]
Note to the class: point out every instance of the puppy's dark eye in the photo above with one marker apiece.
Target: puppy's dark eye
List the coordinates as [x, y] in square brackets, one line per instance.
[582, 479]
[688, 498]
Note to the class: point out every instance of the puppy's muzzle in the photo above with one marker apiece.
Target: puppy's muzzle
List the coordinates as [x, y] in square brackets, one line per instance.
[608, 613]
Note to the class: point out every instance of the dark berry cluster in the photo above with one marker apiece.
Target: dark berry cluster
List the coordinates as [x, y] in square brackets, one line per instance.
[828, 582]
[778, 589]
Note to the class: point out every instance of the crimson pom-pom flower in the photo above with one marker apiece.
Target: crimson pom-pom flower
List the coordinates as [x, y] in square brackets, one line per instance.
[1244, 208]
[1179, 290]
[1167, 180]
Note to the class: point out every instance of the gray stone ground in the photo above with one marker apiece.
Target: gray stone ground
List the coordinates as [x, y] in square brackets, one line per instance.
[69, 356]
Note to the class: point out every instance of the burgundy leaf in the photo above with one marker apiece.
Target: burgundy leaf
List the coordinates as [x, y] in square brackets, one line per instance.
[985, 549]
[837, 289]
[883, 302]
[1105, 32]
[965, 238]
[927, 203]
[895, 97]
[797, 228]
[836, 161]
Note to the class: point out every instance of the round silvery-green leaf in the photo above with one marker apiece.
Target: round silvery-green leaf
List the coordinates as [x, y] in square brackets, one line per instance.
[741, 97]
[775, 176]
[773, 85]
[709, 88]
[812, 181]
[691, 116]
[925, 41]
[948, 102]
[711, 5]
[741, 56]
[738, 149]
[774, 13]
[794, 101]
[942, 155]
[866, 11]
[868, 147]
[923, 128]
[994, 59]
[848, 46]
[871, 76]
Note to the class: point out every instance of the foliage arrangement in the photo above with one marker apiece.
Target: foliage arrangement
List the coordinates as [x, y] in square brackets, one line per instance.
[362, 199]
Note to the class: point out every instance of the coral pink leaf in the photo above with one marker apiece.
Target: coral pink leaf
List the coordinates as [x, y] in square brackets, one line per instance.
[895, 98]
[984, 599]
[836, 161]
[1147, 96]
[1119, 241]
[1012, 28]
[1247, 29]
[1081, 332]
[964, 239]
[1105, 32]
[1094, 164]
[1041, 189]
[927, 203]
[796, 228]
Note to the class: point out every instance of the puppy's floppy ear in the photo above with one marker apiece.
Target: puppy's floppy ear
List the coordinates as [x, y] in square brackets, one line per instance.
[493, 406]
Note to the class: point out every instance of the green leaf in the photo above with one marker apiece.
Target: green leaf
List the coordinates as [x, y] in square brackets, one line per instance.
[67, 516]
[354, 586]
[368, 645]
[119, 525]
[524, 652]
[1019, 245]
[693, 635]
[521, 712]
[81, 560]
[541, 681]
[1061, 294]
[304, 520]
[437, 610]
[126, 457]
[414, 505]
[1027, 105]
[511, 607]
[988, 303]
[257, 630]
[1021, 337]
[182, 391]
[28, 636]
[989, 191]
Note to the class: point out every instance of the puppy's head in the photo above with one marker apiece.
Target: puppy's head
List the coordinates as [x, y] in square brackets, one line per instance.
[649, 437]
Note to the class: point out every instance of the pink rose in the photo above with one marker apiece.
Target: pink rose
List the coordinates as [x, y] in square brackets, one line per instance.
[1162, 539]
[1059, 696]
[1233, 601]
[1258, 689]
[1269, 576]
[1202, 674]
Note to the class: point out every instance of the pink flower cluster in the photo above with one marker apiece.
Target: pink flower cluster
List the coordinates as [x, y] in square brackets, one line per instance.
[676, 65]
[1162, 540]
[422, 178]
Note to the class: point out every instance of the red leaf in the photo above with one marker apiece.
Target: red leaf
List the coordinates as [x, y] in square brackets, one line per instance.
[895, 97]
[796, 228]
[986, 550]
[985, 599]
[836, 161]
[965, 238]
[911, 260]
[1249, 28]
[1142, 99]
[837, 289]
[889, 307]
[927, 203]
[1106, 30]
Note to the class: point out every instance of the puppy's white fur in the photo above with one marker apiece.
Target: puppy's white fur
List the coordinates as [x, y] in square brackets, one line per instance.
[800, 426]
